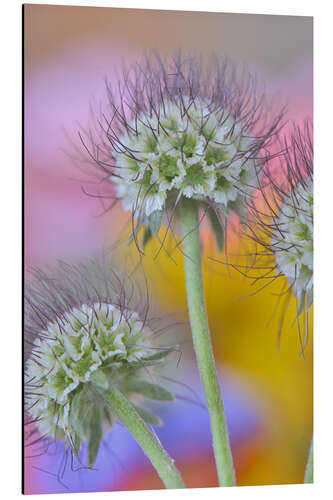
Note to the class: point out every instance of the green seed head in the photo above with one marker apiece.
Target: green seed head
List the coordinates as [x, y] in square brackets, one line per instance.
[78, 357]
[193, 149]
[292, 242]
[175, 129]
[283, 224]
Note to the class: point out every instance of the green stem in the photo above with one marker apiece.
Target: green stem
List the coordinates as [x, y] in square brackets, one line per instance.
[309, 466]
[202, 342]
[149, 443]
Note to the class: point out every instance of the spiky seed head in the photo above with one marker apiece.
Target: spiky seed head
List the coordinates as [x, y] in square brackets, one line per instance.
[283, 224]
[83, 344]
[178, 130]
[192, 148]
[292, 242]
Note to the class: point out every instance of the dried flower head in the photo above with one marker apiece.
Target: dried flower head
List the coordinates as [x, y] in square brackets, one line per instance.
[83, 337]
[175, 129]
[285, 227]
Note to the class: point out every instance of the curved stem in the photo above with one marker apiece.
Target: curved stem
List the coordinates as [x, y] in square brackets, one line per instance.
[202, 342]
[309, 466]
[149, 443]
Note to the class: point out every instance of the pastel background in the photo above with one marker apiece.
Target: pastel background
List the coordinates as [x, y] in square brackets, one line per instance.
[267, 387]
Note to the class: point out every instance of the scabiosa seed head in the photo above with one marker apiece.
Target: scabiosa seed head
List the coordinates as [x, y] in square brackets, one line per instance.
[285, 227]
[292, 242]
[85, 338]
[176, 130]
[195, 154]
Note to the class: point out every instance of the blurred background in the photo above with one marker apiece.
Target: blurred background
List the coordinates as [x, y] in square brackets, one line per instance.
[266, 384]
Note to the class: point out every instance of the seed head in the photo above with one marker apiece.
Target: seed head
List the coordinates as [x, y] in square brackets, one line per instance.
[292, 242]
[175, 130]
[85, 338]
[285, 226]
[194, 153]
